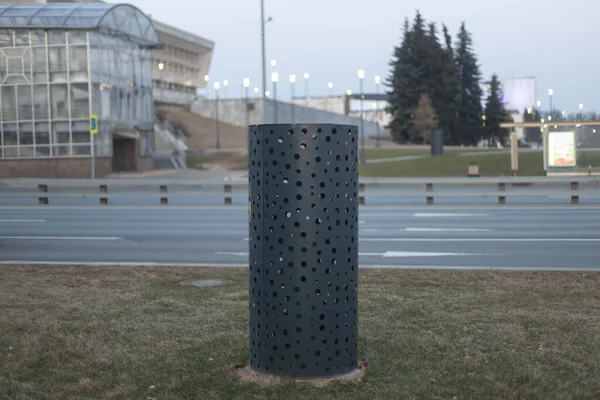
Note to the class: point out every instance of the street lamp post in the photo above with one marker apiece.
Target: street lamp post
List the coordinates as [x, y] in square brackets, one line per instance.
[580, 112]
[263, 22]
[550, 93]
[377, 82]
[206, 79]
[256, 90]
[306, 76]
[361, 78]
[161, 67]
[246, 82]
[330, 86]
[225, 84]
[217, 86]
[292, 82]
[275, 79]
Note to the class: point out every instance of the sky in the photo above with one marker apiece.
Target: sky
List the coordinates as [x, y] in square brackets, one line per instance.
[332, 39]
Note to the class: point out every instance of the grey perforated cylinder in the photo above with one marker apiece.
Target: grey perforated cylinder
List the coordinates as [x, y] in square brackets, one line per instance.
[303, 249]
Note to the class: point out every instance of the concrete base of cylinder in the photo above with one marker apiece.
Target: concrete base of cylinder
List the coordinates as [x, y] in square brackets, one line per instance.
[246, 374]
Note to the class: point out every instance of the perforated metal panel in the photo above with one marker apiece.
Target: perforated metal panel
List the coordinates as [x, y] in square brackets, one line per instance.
[303, 249]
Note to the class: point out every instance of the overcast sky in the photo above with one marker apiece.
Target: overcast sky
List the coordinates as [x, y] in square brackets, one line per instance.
[331, 39]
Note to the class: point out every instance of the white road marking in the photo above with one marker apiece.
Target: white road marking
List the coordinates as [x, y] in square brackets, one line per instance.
[425, 230]
[22, 220]
[60, 238]
[477, 240]
[426, 254]
[121, 264]
[441, 215]
[474, 240]
[245, 254]
[386, 254]
[445, 230]
[384, 215]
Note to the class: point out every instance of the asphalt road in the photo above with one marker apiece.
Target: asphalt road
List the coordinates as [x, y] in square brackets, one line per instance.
[529, 237]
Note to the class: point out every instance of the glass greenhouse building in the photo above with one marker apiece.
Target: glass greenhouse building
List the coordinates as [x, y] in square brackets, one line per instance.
[61, 63]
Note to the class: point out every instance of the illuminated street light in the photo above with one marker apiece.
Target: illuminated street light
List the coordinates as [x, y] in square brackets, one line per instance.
[361, 78]
[217, 86]
[246, 82]
[306, 76]
[292, 82]
[376, 108]
[274, 79]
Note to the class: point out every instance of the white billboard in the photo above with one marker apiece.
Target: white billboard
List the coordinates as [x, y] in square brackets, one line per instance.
[519, 93]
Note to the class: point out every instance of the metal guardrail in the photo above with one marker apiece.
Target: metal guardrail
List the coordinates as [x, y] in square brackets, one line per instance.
[571, 187]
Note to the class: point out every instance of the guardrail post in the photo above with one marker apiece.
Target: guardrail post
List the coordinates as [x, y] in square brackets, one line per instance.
[303, 250]
[163, 189]
[43, 189]
[429, 188]
[227, 189]
[361, 198]
[574, 188]
[103, 189]
[501, 188]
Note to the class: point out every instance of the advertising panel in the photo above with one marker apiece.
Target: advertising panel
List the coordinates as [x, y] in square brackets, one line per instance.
[561, 149]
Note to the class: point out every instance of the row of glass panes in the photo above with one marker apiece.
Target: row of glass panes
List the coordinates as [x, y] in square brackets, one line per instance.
[41, 101]
[25, 60]
[10, 38]
[62, 132]
[101, 149]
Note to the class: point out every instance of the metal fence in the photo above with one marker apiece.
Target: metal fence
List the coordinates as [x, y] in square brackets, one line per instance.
[371, 191]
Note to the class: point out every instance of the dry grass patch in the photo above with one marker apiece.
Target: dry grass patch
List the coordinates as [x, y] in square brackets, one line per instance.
[136, 333]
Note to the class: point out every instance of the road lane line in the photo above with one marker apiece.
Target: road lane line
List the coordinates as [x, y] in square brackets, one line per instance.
[443, 215]
[473, 240]
[426, 254]
[60, 238]
[245, 254]
[22, 220]
[445, 230]
[477, 240]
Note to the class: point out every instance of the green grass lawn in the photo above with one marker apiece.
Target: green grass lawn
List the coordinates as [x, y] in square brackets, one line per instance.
[450, 165]
[70, 332]
[419, 151]
[530, 164]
